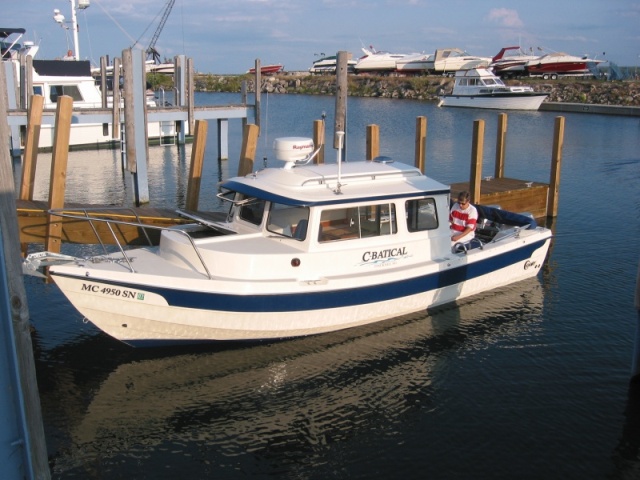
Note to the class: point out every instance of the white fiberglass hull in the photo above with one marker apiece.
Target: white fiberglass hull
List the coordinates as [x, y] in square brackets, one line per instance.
[146, 310]
[507, 101]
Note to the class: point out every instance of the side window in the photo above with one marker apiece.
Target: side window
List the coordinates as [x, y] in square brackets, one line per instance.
[37, 89]
[288, 221]
[252, 211]
[69, 90]
[421, 215]
[357, 222]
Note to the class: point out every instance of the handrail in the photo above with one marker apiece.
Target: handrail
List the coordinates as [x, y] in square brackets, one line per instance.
[138, 224]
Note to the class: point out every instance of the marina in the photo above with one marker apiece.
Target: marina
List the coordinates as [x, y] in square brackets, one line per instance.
[538, 357]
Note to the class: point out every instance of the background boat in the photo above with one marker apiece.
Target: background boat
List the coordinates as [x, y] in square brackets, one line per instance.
[480, 88]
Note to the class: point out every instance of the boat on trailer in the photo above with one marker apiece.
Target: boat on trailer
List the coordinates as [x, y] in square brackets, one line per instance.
[302, 249]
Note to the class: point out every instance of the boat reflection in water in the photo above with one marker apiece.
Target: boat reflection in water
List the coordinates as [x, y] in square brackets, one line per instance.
[239, 403]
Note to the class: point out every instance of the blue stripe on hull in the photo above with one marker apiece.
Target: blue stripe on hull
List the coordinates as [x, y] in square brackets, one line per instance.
[332, 299]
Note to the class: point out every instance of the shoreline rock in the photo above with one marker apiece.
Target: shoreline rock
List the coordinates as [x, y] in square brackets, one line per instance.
[426, 88]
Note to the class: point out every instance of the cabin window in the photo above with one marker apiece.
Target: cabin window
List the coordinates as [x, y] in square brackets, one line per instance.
[252, 210]
[421, 215]
[357, 222]
[287, 220]
[37, 90]
[70, 90]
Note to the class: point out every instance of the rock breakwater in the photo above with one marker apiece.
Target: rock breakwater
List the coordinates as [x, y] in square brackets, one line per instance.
[567, 90]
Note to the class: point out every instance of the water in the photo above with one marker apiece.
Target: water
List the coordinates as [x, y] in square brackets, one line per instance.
[529, 381]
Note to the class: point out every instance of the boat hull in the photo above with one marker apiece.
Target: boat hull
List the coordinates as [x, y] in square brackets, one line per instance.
[506, 101]
[161, 314]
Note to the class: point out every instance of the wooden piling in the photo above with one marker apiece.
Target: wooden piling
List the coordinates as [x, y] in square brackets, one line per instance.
[556, 162]
[501, 143]
[197, 159]
[258, 91]
[373, 142]
[32, 446]
[421, 143]
[115, 122]
[57, 183]
[318, 140]
[476, 160]
[34, 122]
[248, 151]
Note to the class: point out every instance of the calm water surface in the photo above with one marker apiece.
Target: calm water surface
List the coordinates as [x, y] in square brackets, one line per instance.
[529, 381]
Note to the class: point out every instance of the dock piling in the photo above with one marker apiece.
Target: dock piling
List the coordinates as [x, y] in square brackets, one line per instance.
[556, 163]
[20, 407]
[373, 142]
[31, 147]
[477, 148]
[248, 152]
[318, 139]
[57, 184]
[340, 124]
[421, 143]
[195, 169]
[501, 144]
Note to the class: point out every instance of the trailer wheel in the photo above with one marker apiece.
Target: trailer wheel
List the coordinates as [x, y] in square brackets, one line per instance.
[554, 76]
[545, 76]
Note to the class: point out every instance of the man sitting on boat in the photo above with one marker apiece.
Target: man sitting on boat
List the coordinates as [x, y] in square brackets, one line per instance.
[462, 219]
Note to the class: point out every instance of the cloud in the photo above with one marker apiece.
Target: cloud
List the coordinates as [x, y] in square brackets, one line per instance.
[505, 17]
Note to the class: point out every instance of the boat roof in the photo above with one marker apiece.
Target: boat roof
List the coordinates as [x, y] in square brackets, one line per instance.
[5, 32]
[312, 185]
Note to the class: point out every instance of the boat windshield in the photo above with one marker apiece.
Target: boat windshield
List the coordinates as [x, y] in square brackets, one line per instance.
[289, 221]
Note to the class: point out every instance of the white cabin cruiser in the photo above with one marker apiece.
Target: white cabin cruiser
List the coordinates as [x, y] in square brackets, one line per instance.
[480, 88]
[303, 249]
[52, 78]
[374, 61]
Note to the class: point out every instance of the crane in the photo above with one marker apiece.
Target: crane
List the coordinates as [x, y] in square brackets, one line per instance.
[152, 53]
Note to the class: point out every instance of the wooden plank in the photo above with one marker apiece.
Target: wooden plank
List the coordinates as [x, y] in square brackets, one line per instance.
[501, 145]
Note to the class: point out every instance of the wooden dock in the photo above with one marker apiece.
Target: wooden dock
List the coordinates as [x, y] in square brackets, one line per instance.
[37, 226]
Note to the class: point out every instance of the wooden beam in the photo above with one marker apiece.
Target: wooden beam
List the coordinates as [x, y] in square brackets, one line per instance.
[195, 169]
[556, 163]
[501, 143]
[373, 142]
[477, 148]
[421, 143]
[32, 447]
[318, 139]
[34, 122]
[57, 183]
[248, 152]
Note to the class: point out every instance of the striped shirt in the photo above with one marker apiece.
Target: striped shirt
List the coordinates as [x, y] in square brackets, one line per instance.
[461, 219]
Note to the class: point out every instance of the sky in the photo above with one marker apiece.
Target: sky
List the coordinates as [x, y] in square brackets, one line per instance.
[227, 36]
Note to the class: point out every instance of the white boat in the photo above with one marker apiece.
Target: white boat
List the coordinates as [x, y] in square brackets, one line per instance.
[374, 61]
[480, 88]
[417, 63]
[450, 60]
[550, 65]
[52, 78]
[327, 65]
[511, 61]
[302, 249]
